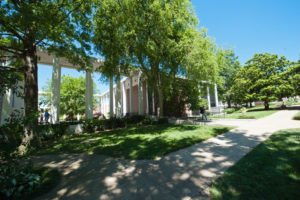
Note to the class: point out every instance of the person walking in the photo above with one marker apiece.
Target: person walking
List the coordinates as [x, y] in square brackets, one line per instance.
[203, 113]
[46, 116]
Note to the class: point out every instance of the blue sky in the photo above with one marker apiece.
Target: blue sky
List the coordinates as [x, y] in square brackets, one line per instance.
[246, 26]
[253, 26]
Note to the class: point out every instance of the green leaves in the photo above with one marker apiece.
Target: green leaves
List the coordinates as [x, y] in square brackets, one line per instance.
[263, 78]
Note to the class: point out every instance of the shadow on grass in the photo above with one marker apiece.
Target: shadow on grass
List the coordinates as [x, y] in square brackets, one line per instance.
[147, 142]
[270, 171]
[183, 174]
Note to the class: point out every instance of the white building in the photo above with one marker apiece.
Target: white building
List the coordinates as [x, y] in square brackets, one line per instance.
[130, 96]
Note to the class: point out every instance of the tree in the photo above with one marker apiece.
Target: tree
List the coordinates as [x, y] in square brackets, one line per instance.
[110, 41]
[149, 35]
[60, 26]
[72, 95]
[157, 43]
[293, 77]
[263, 79]
[229, 66]
[240, 90]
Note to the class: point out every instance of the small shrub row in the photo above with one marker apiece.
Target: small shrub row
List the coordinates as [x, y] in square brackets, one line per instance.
[93, 125]
[107, 124]
[52, 131]
[230, 110]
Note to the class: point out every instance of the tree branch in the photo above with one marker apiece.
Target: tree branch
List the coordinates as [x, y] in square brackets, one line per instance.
[11, 30]
[11, 50]
[59, 22]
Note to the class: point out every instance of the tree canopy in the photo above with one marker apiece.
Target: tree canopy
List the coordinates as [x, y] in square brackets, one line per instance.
[62, 27]
[263, 78]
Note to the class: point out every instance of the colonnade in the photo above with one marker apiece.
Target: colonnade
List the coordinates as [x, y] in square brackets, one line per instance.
[55, 97]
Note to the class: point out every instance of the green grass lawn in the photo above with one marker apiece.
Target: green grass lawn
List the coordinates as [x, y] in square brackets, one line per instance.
[251, 114]
[270, 171]
[297, 116]
[147, 142]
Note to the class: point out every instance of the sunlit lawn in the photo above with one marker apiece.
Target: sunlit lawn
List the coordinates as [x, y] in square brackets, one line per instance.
[270, 171]
[147, 142]
[250, 114]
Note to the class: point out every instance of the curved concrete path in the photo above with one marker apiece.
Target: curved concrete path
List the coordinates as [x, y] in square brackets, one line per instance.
[184, 174]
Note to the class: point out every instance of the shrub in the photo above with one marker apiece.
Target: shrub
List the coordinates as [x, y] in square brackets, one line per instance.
[102, 124]
[52, 131]
[134, 119]
[11, 134]
[230, 110]
[243, 110]
[88, 125]
[297, 116]
[163, 120]
[113, 123]
[22, 181]
[147, 121]
[17, 180]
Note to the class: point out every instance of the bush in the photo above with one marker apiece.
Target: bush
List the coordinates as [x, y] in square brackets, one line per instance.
[147, 121]
[243, 110]
[11, 134]
[297, 116]
[22, 181]
[230, 110]
[52, 131]
[134, 119]
[90, 125]
[102, 124]
[163, 120]
[17, 180]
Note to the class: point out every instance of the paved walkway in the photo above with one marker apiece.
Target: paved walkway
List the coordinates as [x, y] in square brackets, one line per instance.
[184, 174]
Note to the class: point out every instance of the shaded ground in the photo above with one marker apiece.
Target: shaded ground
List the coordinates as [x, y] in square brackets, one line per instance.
[270, 171]
[184, 174]
[146, 142]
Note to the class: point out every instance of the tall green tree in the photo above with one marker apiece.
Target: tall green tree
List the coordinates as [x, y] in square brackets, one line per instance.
[263, 78]
[59, 26]
[160, 29]
[72, 95]
[153, 36]
[293, 76]
[228, 67]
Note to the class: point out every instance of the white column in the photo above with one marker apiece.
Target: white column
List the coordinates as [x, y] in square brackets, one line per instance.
[88, 95]
[208, 98]
[147, 99]
[118, 100]
[55, 98]
[153, 103]
[216, 95]
[124, 99]
[140, 96]
[130, 97]
[111, 97]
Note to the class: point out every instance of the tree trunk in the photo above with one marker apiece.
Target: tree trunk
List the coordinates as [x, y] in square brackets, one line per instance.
[228, 102]
[30, 99]
[160, 96]
[267, 106]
